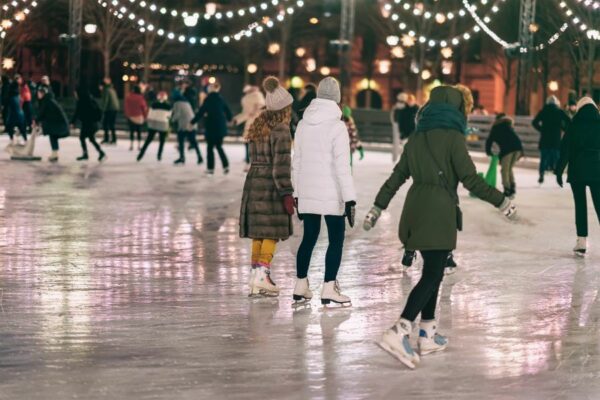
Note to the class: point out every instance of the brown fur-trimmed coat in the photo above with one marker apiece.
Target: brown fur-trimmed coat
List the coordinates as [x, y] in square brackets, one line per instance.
[262, 215]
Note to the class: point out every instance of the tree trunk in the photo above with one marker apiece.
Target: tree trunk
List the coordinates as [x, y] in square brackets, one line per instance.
[590, 69]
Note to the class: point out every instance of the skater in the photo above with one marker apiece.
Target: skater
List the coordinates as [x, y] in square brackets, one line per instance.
[158, 123]
[15, 114]
[53, 120]
[109, 103]
[355, 144]
[217, 114]
[322, 178]
[253, 104]
[511, 150]
[580, 150]
[436, 158]
[550, 122]
[88, 112]
[136, 110]
[267, 202]
[404, 114]
[26, 105]
[181, 118]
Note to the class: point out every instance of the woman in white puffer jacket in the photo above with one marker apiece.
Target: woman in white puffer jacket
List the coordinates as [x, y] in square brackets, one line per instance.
[323, 184]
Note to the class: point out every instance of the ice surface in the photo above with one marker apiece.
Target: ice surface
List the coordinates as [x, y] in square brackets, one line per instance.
[128, 280]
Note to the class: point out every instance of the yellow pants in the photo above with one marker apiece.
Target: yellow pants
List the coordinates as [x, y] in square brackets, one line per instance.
[262, 252]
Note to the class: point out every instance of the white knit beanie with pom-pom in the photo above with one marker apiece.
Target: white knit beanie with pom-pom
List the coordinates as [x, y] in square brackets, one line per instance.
[277, 97]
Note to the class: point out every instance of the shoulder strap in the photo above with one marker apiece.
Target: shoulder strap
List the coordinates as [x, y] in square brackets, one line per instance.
[440, 173]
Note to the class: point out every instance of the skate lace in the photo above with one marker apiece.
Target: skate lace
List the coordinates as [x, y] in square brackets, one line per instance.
[336, 288]
[268, 276]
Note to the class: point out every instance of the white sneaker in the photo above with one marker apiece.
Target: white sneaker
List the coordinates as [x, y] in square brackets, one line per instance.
[396, 342]
[331, 292]
[580, 246]
[302, 292]
[429, 340]
[262, 284]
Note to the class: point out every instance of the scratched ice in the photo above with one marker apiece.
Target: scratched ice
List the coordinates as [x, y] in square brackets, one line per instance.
[127, 280]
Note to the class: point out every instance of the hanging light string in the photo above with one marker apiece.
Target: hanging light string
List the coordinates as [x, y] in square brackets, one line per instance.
[420, 11]
[17, 16]
[15, 4]
[594, 5]
[578, 23]
[195, 16]
[122, 12]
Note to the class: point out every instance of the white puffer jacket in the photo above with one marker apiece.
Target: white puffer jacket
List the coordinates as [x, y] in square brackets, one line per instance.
[321, 173]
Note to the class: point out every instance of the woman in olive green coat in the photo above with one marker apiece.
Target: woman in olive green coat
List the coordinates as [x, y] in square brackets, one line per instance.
[436, 158]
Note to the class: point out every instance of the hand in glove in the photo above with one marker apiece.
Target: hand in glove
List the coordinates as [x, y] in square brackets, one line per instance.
[508, 209]
[559, 180]
[288, 204]
[350, 212]
[371, 218]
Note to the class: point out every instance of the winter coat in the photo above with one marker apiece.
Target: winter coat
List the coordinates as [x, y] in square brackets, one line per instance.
[15, 115]
[217, 113]
[182, 116]
[321, 169]
[53, 118]
[89, 113]
[428, 220]
[252, 105]
[109, 100]
[505, 136]
[550, 122]
[580, 147]
[262, 214]
[136, 108]
[25, 94]
[159, 116]
[405, 118]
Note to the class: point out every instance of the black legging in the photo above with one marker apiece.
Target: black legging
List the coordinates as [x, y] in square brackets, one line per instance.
[423, 297]
[336, 226]
[191, 137]
[88, 133]
[211, 144]
[580, 197]
[109, 122]
[135, 128]
[162, 136]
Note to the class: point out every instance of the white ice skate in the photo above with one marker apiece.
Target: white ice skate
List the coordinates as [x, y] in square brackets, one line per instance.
[429, 340]
[262, 284]
[302, 292]
[396, 342]
[580, 247]
[331, 293]
[252, 275]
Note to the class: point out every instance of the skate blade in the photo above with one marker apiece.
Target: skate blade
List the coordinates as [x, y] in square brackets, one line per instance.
[303, 303]
[579, 254]
[263, 294]
[431, 351]
[406, 361]
[333, 305]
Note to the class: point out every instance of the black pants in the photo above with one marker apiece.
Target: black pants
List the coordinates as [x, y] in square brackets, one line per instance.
[580, 197]
[109, 122]
[191, 138]
[133, 129]
[548, 160]
[162, 136]
[211, 145]
[90, 134]
[54, 143]
[28, 111]
[423, 297]
[336, 226]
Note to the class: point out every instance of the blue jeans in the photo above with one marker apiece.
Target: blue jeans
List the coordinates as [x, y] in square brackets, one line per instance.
[549, 159]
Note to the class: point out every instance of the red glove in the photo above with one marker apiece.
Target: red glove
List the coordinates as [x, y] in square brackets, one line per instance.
[288, 204]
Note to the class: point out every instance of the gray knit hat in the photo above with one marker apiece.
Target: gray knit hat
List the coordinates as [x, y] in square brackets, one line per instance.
[277, 97]
[329, 89]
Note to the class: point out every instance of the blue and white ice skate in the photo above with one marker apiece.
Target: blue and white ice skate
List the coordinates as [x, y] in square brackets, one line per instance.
[396, 342]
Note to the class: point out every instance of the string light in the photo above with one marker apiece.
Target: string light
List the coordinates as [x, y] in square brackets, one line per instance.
[595, 5]
[18, 15]
[577, 22]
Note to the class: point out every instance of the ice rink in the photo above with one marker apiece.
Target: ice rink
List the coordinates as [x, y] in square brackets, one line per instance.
[128, 281]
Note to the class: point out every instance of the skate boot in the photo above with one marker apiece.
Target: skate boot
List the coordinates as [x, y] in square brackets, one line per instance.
[252, 276]
[262, 284]
[302, 292]
[580, 247]
[331, 293]
[408, 258]
[53, 157]
[429, 340]
[84, 157]
[450, 265]
[396, 342]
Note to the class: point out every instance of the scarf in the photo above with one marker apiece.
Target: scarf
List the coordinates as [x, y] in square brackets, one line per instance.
[441, 116]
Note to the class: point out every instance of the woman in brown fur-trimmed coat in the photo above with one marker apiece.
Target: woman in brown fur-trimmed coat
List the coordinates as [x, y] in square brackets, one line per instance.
[267, 202]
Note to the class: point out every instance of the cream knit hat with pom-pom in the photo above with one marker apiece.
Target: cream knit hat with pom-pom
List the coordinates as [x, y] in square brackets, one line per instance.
[277, 97]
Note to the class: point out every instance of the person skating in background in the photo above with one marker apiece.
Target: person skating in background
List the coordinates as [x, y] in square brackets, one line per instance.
[267, 202]
[308, 94]
[26, 105]
[217, 114]
[15, 116]
[511, 150]
[580, 150]
[322, 178]
[551, 121]
[253, 102]
[89, 113]
[404, 113]
[182, 117]
[53, 119]
[136, 110]
[45, 83]
[437, 159]
[109, 103]
[355, 143]
[158, 119]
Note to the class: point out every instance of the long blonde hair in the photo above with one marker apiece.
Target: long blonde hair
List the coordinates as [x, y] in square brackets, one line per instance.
[468, 101]
[266, 121]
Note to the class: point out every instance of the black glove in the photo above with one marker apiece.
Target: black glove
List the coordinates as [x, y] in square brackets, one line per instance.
[300, 217]
[350, 212]
[559, 180]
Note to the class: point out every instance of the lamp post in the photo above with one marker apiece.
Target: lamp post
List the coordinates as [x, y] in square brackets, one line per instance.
[75, 25]
[345, 47]
[527, 29]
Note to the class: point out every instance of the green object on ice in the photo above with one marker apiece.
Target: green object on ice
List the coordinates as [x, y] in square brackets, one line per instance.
[492, 172]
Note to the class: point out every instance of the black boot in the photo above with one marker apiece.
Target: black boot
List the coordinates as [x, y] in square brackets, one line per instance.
[179, 161]
[102, 157]
[83, 157]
